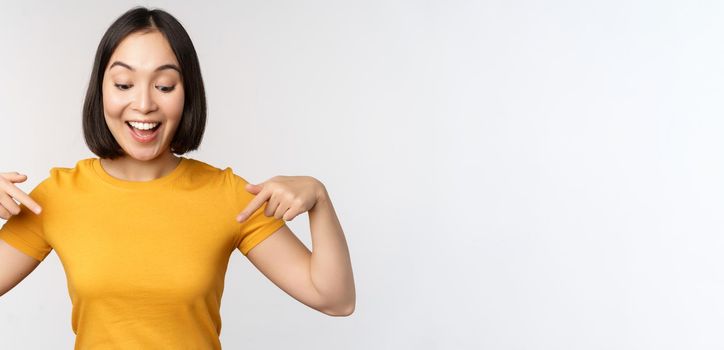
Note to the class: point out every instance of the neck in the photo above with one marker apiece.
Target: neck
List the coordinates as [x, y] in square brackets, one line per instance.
[131, 169]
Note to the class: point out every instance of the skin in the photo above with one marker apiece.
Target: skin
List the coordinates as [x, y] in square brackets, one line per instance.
[142, 94]
[321, 279]
[16, 265]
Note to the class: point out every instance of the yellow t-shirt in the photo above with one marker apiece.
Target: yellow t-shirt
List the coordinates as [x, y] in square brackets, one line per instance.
[145, 261]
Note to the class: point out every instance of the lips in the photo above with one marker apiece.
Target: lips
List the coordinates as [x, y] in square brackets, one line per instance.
[144, 136]
[158, 124]
[142, 121]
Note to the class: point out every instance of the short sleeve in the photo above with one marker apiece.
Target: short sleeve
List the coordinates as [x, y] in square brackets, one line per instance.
[258, 226]
[25, 230]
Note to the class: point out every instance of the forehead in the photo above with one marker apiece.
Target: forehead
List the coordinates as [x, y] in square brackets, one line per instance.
[144, 51]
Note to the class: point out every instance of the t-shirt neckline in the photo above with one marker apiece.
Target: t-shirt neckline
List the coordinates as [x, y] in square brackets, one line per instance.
[175, 173]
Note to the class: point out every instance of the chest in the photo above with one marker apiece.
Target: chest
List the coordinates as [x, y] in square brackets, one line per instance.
[176, 245]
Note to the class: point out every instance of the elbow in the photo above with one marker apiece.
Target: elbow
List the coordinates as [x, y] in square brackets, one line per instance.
[339, 304]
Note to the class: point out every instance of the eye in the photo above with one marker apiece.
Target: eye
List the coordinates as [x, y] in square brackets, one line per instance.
[122, 87]
[165, 88]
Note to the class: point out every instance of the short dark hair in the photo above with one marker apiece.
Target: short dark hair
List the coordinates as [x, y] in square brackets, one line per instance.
[193, 120]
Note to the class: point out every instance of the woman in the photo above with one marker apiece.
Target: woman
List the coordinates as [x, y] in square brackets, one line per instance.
[145, 235]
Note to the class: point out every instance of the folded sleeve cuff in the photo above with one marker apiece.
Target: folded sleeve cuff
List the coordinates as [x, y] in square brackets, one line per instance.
[20, 244]
[251, 241]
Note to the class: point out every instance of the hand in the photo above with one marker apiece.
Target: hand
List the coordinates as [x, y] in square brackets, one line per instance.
[288, 196]
[8, 192]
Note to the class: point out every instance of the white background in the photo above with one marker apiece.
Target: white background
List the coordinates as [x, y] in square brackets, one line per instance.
[509, 174]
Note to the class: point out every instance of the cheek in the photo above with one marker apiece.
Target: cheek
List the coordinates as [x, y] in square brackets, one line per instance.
[113, 104]
[174, 106]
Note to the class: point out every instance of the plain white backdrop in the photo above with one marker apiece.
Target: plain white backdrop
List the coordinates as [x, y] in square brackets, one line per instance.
[509, 174]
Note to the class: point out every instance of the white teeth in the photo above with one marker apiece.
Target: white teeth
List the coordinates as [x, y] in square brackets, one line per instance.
[143, 126]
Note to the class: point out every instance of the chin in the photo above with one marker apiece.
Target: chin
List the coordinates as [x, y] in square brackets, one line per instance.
[142, 155]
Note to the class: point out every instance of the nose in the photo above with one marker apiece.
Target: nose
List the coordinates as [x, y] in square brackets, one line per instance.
[144, 101]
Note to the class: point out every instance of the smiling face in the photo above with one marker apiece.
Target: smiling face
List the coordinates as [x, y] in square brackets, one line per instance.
[142, 83]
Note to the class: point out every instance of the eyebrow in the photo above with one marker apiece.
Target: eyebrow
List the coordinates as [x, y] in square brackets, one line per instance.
[160, 68]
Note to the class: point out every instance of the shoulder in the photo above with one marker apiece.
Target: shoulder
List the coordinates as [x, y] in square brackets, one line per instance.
[61, 176]
[56, 179]
[202, 172]
[60, 172]
[214, 180]
[222, 178]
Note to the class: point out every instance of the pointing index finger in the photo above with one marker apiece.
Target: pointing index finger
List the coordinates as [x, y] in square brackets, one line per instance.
[25, 199]
[255, 204]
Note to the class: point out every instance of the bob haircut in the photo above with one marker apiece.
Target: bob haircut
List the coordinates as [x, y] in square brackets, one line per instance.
[193, 120]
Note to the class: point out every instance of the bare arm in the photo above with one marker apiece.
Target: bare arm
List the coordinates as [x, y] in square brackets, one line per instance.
[15, 266]
[321, 279]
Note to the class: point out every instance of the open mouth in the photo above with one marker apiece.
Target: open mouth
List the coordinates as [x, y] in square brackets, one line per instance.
[143, 132]
[158, 125]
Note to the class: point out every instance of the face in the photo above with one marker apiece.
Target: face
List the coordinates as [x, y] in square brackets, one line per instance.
[142, 83]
